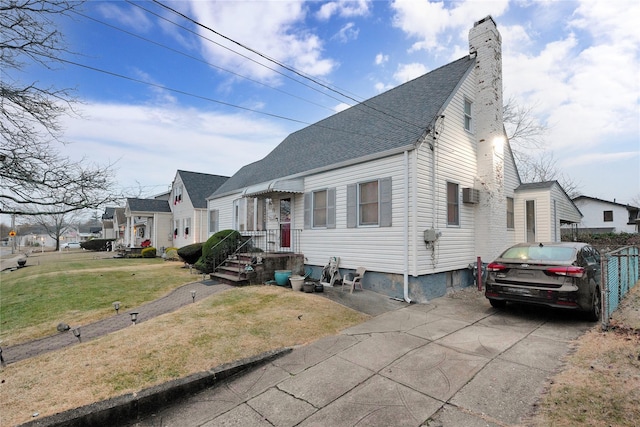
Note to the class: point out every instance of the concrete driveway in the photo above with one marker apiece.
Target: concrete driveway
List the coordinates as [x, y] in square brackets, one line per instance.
[455, 361]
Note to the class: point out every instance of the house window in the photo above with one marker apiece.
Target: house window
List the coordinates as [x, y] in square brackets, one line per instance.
[510, 213]
[176, 227]
[467, 115]
[177, 196]
[187, 226]
[249, 214]
[368, 203]
[320, 208]
[608, 216]
[453, 204]
[213, 221]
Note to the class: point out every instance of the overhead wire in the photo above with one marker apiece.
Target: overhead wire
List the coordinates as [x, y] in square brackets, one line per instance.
[278, 63]
[195, 58]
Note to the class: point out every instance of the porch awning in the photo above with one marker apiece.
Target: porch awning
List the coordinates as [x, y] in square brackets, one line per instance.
[275, 186]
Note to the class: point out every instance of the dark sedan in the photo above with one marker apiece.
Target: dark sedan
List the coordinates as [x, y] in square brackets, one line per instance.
[561, 275]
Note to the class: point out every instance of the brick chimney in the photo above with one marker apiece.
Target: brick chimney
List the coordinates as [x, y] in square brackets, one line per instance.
[491, 212]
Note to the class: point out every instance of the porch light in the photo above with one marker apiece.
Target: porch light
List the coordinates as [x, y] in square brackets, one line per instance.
[134, 317]
[116, 306]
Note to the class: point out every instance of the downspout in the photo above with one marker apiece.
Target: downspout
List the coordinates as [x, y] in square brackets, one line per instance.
[406, 227]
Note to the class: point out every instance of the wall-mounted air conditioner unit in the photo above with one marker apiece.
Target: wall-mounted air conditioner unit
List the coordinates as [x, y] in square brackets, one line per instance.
[470, 195]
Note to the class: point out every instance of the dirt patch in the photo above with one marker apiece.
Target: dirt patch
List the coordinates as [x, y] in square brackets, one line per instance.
[600, 385]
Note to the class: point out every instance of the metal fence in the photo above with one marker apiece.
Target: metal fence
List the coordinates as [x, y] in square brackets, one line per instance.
[620, 272]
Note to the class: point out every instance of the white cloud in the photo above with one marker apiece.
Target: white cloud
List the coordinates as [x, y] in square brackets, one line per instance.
[433, 24]
[148, 144]
[598, 158]
[272, 28]
[129, 16]
[345, 9]
[406, 72]
[381, 59]
[348, 32]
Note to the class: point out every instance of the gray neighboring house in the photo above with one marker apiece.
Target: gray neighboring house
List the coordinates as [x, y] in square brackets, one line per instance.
[188, 202]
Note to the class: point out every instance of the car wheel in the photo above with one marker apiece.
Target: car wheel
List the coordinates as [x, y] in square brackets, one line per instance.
[595, 312]
[498, 303]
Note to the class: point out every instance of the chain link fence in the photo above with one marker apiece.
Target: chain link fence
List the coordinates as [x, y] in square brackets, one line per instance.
[620, 272]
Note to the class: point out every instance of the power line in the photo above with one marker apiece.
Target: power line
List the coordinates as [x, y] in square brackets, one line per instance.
[278, 63]
[201, 60]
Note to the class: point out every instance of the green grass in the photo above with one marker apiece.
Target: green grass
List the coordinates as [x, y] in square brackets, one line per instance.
[35, 299]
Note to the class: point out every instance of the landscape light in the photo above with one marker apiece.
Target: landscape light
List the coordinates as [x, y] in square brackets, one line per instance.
[76, 333]
[134, 317]
[116, 306]
[193, 295]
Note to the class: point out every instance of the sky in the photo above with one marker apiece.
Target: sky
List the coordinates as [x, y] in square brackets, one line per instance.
[159, 93]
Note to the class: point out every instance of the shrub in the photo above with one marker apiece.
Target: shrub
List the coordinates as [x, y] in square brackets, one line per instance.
[149, 252]
[217, 248]
[190, 253]
[171, 254]
[97, 244]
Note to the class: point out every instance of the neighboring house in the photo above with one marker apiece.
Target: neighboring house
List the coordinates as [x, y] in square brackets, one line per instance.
[148, 222]
[413, 184]
[543, 208]
[114, 224]
[189, 191]
[602, 216]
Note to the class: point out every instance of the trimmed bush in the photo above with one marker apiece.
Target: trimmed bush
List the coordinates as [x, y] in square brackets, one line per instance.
[171, 254]
[97, 244]
[190, 253]
[149, 252]
[217, 248]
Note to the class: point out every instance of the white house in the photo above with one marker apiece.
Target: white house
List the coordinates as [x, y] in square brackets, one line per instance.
[541, 209]
[602, 216]
[413, 184]
[188, 203]
[148, 223]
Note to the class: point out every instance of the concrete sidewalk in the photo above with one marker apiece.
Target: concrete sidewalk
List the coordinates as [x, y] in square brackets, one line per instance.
[452, 362]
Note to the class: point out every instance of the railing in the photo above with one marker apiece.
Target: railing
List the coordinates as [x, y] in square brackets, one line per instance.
[620, 273]
[271, 241]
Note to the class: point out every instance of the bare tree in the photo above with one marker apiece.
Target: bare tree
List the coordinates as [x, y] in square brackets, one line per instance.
[34, 177]
[56, 224]
[526, 135]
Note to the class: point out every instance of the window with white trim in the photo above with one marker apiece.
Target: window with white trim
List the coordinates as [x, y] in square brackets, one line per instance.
[249, 214]
[467, 115]
[320, 209]
[369, 203]
[214, 215]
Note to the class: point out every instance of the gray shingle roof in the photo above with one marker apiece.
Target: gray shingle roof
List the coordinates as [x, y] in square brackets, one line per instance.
[200, 185]
[394, 119]
[148, 205]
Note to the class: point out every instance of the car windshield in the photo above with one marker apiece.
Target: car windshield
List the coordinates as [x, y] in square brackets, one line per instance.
[550, 253]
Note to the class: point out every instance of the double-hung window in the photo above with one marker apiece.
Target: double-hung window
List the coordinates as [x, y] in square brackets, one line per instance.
[320, 209]
[369, 203]
[467, 116]
[368, 206]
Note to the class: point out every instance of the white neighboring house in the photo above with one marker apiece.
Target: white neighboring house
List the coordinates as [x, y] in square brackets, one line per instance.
[602, 216]
[148, 223]
[413, 184]
[188, 204]
[541, 209]
[114, 224]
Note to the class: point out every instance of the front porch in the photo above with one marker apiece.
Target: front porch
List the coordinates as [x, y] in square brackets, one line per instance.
[254, 268]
